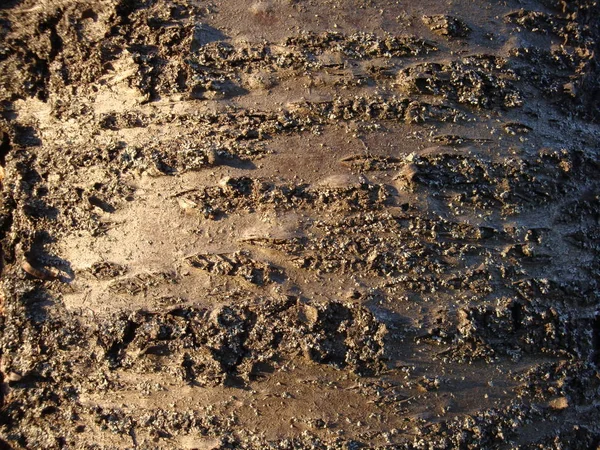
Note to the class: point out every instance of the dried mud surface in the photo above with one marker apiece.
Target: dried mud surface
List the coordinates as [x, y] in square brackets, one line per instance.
[299, 224]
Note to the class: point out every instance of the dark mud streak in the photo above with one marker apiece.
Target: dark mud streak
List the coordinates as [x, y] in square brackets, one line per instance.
[117, 349]
[56, 42]
[590, 84]
[8, 205]
[5, 147]
[596, 339]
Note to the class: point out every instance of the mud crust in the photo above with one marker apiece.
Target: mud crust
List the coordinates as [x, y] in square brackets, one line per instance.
[299, 224]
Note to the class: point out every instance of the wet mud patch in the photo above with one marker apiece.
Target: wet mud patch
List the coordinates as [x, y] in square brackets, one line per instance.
[298, 225]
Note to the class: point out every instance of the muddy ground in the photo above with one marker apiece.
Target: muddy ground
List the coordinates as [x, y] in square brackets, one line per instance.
[300, 224]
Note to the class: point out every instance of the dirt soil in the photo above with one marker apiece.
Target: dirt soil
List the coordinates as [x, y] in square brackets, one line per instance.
[299, 224]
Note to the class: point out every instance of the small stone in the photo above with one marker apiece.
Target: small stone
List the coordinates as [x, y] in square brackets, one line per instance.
[559, 403]
[14, 377]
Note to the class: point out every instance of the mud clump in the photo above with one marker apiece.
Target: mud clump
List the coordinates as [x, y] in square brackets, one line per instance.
[244, 194]
[447, 26]
[481, 81]
[575, 62]
[237, 343]
[238, 264]
[513, 184]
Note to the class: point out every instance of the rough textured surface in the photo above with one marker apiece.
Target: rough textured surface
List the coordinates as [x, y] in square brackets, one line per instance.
[299, 224]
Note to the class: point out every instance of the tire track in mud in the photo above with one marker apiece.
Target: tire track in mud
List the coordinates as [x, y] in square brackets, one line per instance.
[333, 240]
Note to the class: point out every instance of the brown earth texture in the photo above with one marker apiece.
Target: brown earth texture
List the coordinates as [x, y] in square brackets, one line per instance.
[299, 224]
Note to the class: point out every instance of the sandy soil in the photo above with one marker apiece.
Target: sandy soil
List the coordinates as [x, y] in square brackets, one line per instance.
[299, 224]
